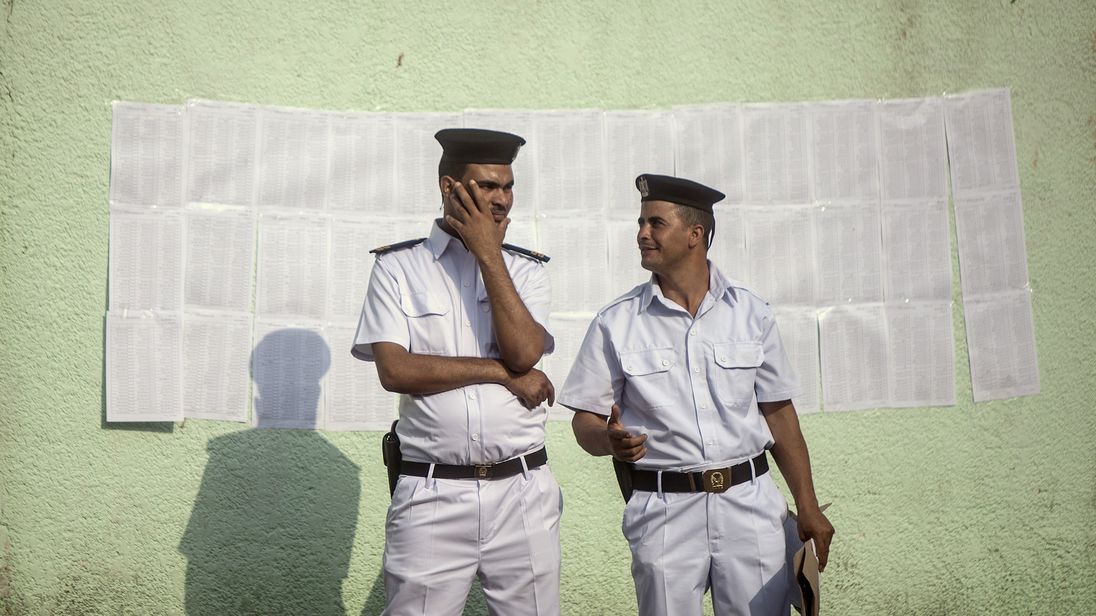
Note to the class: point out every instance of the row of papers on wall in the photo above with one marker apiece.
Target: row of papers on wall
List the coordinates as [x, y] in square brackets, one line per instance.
[231, 224]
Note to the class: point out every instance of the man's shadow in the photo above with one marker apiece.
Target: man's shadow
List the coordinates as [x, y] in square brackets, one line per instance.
[273, 523]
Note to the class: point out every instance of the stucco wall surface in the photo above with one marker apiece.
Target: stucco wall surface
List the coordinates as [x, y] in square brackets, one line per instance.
[972, 509]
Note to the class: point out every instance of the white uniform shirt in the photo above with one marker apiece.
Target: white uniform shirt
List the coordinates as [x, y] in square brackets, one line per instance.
[430, 299]
[691, 384]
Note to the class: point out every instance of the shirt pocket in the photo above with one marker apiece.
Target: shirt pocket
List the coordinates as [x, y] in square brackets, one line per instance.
[648, 374]
[427, 321]
[734, 371]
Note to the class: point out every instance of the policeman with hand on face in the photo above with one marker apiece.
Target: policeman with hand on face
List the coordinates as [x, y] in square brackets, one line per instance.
[455, 323]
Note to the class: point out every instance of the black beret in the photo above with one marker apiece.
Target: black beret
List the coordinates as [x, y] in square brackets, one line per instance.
[677, 190]
[477, 145]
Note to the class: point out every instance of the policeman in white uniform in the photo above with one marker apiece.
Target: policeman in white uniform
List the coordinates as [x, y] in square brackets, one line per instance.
[686, 377]
[455, 323]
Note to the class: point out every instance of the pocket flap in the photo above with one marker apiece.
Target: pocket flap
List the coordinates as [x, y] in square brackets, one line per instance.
[739, 354]
[419, 304]
[648, 361]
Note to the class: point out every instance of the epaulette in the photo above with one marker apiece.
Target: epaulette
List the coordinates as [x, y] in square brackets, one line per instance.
[632, 293]
[532, 254]
[398, 245]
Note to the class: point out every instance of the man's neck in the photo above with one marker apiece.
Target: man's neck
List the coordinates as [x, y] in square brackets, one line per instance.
[685, 286]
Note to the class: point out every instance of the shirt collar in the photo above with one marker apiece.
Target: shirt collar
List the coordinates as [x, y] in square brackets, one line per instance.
[718, 286]
[439, 240]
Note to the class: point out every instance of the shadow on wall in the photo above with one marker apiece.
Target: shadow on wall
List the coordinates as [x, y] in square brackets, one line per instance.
[273, 524]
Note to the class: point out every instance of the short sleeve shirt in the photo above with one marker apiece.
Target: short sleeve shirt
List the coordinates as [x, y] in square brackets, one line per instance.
[691, 384]
[430, 299]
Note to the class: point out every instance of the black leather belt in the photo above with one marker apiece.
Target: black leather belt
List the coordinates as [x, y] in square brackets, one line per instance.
[500, 470]
[711, 480]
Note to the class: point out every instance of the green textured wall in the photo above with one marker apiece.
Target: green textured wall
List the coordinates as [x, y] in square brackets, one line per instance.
[975, 509]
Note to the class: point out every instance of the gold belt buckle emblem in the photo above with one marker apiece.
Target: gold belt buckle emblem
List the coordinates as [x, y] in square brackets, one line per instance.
[716, 480]
[483, 471]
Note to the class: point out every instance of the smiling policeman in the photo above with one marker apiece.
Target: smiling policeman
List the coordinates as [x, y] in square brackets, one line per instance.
[686, 377]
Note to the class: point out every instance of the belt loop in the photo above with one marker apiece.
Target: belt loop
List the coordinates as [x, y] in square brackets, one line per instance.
[524, 468]
[429, 483]
[658, 484]
[753, 472]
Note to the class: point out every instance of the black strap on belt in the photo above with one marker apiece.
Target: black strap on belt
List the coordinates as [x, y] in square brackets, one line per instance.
[711, 480]
[500, 470]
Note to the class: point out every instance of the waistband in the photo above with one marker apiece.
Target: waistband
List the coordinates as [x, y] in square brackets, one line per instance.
[499, 470]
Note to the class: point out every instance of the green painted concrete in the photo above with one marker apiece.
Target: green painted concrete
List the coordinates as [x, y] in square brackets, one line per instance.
[974, 509]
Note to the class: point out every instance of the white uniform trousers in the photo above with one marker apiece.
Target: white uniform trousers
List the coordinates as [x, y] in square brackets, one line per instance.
[733, 543]
[442, 533]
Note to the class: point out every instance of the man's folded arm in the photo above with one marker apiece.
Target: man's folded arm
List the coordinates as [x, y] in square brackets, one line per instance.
[403, 372]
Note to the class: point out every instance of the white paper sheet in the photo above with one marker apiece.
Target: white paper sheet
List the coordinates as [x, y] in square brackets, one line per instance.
[624, 271]
[222, 144]
[417, 154]
[980, 141]
[636, 142]
[780, 253]
[570, 157]
[219, 249]
[916, 251]
[362, 173]
[849, 252]
[569, 329]
[1001, 344]
[853, 341]
[351, 263]
[293, 155]
[844, 151]
[776, 146]
[578, 248]
[146, 260]
[355, 399]
[288, 365]
[921, 354]
[728, 249]
[799, 333]
[292, 267]
[147, 150]
[990, 232]
[523, 124]
[708, 147]
[522, 231]
[144, 366]
[216, 362]
[914, 157]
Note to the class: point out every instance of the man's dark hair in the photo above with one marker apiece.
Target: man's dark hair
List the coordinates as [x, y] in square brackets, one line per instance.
[692, 216]
[452, 169]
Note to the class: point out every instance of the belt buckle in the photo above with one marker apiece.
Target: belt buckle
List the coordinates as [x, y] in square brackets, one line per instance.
[483, 471]
[717, 480]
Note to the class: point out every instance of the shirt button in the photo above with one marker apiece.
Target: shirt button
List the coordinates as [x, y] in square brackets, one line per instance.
[703, 406]
[697, 370]
[468, 323]
[475, 436]
[711, 442]
[485, 307]
[471, 396]
[723, 359]
[692, 333]
[665, 362]
[467, 284]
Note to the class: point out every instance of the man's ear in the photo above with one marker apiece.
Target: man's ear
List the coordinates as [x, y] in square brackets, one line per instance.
[445, 183]
[696, 235]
